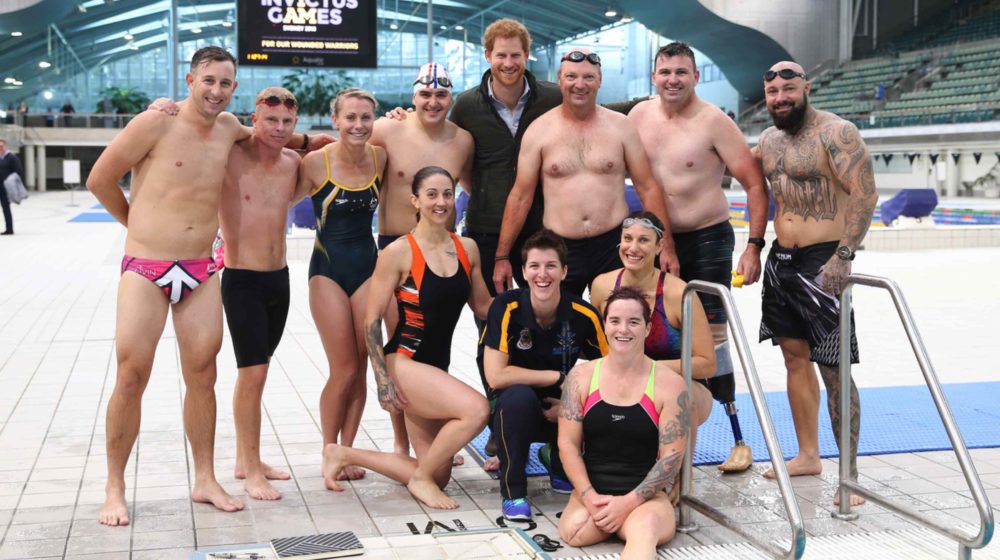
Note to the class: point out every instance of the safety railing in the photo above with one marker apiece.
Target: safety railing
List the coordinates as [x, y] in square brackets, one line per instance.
[847, 485]
[797, 543]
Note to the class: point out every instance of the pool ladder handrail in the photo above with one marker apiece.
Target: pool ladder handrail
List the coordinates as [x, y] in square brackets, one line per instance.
[965, 542]
[797, 543]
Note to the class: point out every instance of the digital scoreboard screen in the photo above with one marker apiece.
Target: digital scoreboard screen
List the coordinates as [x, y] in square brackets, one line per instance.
[307, 33]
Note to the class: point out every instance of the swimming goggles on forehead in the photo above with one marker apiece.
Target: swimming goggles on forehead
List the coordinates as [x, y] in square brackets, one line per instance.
[644, 222]
[577, 56]
[429, 80]
[784, 74]
[274, 101]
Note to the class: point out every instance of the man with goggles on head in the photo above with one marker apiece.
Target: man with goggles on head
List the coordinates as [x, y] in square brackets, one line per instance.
[415, 143]
[824, 193]
[580, 152]
[691, 144]
[260, 186]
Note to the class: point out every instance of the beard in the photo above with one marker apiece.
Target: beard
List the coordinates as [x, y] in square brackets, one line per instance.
[791, 122]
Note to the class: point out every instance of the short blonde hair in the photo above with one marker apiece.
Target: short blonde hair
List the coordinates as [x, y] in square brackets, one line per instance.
[280, 92]
[355, 93]
[505, 29]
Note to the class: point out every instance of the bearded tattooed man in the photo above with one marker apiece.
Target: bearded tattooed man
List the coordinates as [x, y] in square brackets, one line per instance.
[824, 191]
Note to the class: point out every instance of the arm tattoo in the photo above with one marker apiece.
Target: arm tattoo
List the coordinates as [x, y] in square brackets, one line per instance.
[373, 340]
[677, 429]
[661, 476]
[569, 407]
[853, 166]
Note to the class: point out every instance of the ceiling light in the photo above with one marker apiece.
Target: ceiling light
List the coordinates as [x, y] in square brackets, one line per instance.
[626, 19]
[16, 33]
[610, 12]
[128, 36]
[444, 27]
[9, 80]
[47, 94]
[44, 64]
[459, 27]
[394, 26]
[196, 30]
[227, 23]
[18, 83]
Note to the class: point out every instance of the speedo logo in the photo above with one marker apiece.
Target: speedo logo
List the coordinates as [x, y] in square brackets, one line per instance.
[617, 417]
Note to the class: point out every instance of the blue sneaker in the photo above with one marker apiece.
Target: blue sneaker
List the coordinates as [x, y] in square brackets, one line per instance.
[559, 485]
[517, 509]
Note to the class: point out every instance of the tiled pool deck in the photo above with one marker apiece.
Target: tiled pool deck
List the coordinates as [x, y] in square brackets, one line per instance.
[57, 306]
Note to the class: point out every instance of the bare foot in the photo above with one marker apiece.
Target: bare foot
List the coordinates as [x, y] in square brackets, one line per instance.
[334, 461]
[458, 461]
[491, 464]
[259, 488]
[115, 510]
[740, 459]
[855, 500]
[351, 473]
[428, 492]
[270, 472]
[211, 492]
[675, 493]
[798, 466]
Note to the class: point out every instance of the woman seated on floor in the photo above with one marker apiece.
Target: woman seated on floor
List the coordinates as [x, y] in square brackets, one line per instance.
[633, 416]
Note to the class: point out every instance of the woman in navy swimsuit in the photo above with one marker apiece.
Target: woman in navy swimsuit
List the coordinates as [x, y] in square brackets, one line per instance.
[343, 180]
[623, 423]
[433, 274]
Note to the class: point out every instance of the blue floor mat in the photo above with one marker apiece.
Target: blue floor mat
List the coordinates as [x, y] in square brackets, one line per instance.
[893, 420]
[478, 447]
[93, 217]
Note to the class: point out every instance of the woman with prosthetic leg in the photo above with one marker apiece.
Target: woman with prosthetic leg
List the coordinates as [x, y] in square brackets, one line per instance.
[642, 234]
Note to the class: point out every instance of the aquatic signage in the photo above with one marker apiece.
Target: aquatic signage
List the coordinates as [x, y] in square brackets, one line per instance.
[307, 33]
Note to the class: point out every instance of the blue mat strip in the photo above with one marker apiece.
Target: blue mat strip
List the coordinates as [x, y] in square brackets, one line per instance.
[93, 217]
[893, 420]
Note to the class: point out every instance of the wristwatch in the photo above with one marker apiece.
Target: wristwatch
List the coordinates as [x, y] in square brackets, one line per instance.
[758, 241]
[845, 253]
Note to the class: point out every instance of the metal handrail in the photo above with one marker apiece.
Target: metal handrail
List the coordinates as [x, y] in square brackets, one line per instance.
[797, 545]
[965, 542]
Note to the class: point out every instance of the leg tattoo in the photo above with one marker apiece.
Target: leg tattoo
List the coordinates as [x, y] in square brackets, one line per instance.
[831, 379]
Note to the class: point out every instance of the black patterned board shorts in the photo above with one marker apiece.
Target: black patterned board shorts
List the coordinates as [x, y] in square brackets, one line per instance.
[795, 305]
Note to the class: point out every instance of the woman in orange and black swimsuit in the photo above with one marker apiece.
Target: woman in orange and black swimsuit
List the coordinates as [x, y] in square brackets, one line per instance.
[433, 273]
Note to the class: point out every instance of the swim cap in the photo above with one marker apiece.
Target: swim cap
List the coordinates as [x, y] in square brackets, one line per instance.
[432, 76]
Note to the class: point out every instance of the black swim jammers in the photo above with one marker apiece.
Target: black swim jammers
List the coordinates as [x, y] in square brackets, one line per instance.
[256, 305]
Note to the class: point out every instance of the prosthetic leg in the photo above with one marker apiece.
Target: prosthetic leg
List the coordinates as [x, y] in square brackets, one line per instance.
[723, 388]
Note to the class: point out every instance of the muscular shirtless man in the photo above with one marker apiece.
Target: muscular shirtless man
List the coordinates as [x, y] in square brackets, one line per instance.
[178, 164]
[581, 151]
[824, 188]
[415, 143]
[690, 143]
[259, 187]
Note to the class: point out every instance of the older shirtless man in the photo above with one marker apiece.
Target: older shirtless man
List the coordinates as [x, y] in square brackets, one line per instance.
[690, 143]
[824, 190]
[258, 189]
[178, 168]
[581, 151]
[415, 143]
